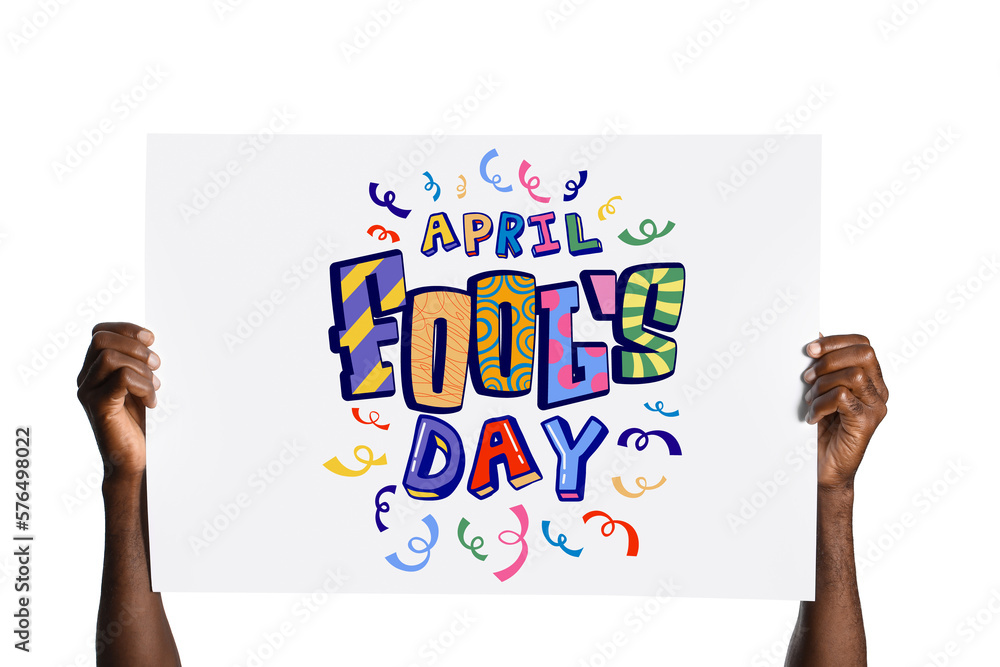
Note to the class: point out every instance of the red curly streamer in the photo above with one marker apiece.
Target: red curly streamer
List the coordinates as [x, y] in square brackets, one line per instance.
[633, 537]
[373, 416]
[384, 233]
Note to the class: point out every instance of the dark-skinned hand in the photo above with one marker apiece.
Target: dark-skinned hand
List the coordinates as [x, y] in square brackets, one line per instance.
[115, 387]
[847, 402]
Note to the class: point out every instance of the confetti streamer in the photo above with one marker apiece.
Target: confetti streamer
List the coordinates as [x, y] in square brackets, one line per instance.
[495, 179]
[608, 208]
[475, 545]
[335, 466]
[461, 188]
[610, 524]
[648, 236]
[511, 570]
[659, 408]
[430, 185]
[560, 541]
[532, 183]
[573, 187]
[373, 416]
[387, 202]
[386, 233]
[417, 545]
[382, 506]
[639, 482]
[643, 440]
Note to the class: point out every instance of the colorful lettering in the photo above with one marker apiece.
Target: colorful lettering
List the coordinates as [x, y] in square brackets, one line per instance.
[437, 356]
[573, 453]
[501, 441]
[574, 233]
[478, 228]
[573, 372]
[431, 437]
[509, 230]
[649, 306]
[545, 245]
[438, 227]
[505, 333]
[363, 289]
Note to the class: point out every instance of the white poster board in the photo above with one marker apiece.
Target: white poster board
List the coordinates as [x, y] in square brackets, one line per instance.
[638, 328]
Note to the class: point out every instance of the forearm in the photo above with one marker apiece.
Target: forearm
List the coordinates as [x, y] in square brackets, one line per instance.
[132, 627]
[830, 631]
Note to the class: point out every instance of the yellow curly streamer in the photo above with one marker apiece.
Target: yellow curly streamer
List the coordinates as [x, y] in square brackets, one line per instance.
[335, 466]
[607, 208]
[640, 482]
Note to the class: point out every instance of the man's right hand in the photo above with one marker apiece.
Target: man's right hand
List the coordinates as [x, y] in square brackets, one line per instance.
[115, 387]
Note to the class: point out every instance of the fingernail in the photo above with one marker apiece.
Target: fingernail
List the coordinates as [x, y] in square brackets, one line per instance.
[154, 360]
[156, 382]
[813, 348]
[146, 337]
[810, 375]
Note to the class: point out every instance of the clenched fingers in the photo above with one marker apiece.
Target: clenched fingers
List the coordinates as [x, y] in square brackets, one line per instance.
[854, 378]
[110, 360]
[119, 383]
[837, 353]
[125, 343]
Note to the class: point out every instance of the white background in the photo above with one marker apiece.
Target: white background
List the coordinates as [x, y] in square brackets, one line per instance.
[238, 401]
[887, 97]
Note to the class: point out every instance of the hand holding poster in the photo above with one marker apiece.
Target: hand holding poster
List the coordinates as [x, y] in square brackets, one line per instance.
[505, 368]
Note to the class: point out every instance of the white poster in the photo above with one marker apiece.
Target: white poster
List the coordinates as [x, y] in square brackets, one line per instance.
[483, 364]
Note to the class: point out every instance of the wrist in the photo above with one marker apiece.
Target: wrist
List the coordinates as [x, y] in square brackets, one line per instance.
[836, 503]
[121, 482]
[842, 491]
